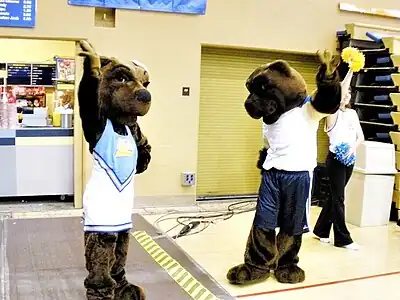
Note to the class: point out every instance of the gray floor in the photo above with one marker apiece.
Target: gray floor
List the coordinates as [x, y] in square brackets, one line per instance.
[42, 259]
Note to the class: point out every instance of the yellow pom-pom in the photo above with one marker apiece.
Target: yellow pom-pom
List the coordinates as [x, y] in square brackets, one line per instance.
[349, 53]
[354, 58]
[357, 63]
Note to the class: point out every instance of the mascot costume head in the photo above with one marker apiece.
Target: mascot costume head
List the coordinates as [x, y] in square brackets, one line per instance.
[278, 96]
[276, 88]
[112, 95]
[122, 91]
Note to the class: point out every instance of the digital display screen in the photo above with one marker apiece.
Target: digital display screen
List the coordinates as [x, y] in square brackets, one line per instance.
[19, 74]
[43, 74]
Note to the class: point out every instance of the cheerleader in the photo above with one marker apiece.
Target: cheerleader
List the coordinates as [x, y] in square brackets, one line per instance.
[345, 134]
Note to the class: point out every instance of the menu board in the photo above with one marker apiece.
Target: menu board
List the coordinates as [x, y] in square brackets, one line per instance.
[17, 13]
[19, 74]
[43, 74]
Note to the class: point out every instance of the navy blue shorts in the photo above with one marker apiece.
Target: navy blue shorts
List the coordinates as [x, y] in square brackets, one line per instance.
[282, 201]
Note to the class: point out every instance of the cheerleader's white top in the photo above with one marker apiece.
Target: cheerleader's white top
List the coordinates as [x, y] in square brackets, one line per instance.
[109, 193]
[344, 130]
[292, 140]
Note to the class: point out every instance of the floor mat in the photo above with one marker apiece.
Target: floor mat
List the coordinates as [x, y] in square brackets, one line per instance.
[45, 262]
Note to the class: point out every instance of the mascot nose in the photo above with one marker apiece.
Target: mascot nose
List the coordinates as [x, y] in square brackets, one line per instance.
[271, 107]
[143, 95]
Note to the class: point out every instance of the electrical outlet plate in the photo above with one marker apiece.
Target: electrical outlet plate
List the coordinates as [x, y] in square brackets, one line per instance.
[188, 179]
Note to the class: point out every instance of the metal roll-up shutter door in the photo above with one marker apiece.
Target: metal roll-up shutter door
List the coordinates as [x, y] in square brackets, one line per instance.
[229, 140]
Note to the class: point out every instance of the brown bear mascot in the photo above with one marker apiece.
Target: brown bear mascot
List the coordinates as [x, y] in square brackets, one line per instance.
[111, 96]
[278, 96]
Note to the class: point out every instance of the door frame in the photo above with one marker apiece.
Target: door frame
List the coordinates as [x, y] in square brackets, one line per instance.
[79, 151]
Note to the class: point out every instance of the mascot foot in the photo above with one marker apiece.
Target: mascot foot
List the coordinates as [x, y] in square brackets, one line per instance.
[290, 274]
[129, 291]
[245, 274]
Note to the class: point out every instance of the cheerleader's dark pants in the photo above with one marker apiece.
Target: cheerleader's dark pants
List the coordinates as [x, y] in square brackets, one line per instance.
[333, 209]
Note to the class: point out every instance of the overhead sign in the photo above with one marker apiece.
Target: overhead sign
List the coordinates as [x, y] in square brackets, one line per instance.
[196, 7]
[17, 13]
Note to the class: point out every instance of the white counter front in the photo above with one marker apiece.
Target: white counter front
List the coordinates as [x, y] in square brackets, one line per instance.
[36, 161]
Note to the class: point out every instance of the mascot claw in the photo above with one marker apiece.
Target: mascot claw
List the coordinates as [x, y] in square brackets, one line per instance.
[87, 49]
[290, 274]
[245, 274]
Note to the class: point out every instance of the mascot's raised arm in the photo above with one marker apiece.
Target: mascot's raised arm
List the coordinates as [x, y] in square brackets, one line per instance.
[112, 95]
[278, 96]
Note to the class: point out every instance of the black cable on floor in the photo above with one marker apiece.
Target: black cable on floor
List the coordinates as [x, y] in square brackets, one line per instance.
[205, 219]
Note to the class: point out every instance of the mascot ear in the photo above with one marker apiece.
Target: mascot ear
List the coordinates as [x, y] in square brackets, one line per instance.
[282, 67]
[104, 61]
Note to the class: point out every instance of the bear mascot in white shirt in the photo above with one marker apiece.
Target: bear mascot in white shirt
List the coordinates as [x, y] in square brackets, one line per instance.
[112, 95]
[278, 95]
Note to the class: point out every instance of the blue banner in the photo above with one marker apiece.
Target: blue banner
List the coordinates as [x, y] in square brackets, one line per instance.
[156, 5]
[18, 13]
[197, 7]
[122, 4]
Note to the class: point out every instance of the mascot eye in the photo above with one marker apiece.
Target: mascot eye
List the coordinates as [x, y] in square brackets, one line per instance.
[260, 85]
[260, 88]
[122, 79]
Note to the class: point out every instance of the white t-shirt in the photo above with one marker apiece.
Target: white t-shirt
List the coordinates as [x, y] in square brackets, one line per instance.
[344, 130]
[292, 141]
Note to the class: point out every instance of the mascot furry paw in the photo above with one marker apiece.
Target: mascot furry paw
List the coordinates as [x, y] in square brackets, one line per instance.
[261, 158]
[112, 95]
[278, 96]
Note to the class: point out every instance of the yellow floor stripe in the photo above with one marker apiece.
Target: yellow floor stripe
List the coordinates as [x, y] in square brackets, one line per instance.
[181, 276]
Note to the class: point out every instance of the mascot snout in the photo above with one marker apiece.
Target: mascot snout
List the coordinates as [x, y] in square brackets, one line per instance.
[253, 108]
[257, 109]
